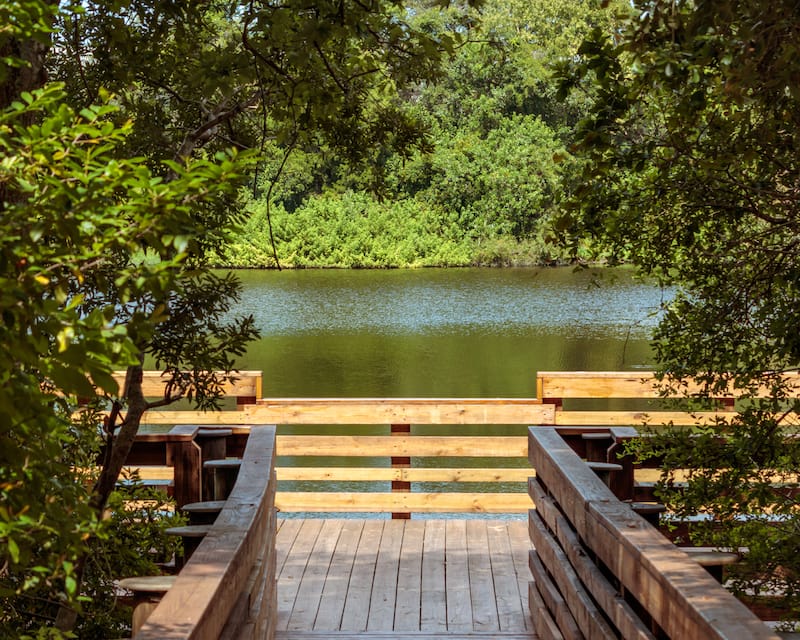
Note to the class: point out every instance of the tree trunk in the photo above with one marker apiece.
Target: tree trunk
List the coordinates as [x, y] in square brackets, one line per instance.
[120, 446]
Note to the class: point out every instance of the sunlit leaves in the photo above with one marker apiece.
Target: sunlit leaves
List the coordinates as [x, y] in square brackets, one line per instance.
[90, 241]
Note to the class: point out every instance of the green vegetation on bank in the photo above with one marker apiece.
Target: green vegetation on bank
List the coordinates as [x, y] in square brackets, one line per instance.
[355, 230]
[483, 184]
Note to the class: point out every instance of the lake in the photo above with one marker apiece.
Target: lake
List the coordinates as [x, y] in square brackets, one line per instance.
[442, 332]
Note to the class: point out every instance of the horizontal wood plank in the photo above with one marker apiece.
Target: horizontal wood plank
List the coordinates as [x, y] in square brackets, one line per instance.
[623, 384]
[413, 474]
[378, 446]
[401, 411]
[245, 383]
[349, 502]
[565, 418]
[455, 411]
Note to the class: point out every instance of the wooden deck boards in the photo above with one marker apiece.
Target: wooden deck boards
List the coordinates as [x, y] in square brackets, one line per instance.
[348, 578]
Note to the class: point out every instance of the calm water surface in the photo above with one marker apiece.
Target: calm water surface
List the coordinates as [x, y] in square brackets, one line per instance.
[442, 332]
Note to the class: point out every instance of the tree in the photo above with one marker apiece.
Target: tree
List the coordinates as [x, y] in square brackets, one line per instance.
[692, 174]
[99, 268]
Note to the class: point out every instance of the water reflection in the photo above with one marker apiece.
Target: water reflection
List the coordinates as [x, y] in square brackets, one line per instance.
[442, 332]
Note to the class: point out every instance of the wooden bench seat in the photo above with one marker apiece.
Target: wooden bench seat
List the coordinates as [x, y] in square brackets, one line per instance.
[191, 535]
[712, 560]
[203, 512]
[147, 593]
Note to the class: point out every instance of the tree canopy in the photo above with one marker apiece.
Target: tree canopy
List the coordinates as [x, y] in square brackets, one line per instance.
[692, 173]
[492, 118]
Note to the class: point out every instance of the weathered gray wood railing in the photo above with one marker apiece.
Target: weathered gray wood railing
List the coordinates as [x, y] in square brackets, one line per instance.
[601, 571]
[227, 588]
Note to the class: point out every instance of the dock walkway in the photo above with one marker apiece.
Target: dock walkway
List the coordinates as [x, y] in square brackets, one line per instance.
[372, 578]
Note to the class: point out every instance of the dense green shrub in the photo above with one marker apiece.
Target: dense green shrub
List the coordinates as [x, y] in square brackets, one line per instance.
[349, 230]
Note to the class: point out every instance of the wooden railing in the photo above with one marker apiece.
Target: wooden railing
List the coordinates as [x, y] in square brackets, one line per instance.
[227, 589]
[570, 508]
[560, 390]
[401, 460]
[407, 463]
[600, 571]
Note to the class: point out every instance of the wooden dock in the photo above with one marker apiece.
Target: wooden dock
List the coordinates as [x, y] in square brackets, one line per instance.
[599, 570]
[374, 578]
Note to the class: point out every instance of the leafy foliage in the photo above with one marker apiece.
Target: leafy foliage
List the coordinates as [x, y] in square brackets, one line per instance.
[100, 256]
[116, 181]
[490, 161]
[692, 174]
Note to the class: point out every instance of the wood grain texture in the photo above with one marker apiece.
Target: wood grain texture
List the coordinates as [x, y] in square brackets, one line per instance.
[623, 384]
[311, 411]
[651, 568]
[247, 383]
[423, 577]
[618, 611]
[211, 584]
[423, 446]
[387, 474]
[378, 502]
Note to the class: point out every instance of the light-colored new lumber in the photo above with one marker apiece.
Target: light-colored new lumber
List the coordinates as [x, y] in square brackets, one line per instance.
[412, 474]
[625, 384]
[345, 502]
[400, 411]
[655, 418]
[245, 383]
[375, 446]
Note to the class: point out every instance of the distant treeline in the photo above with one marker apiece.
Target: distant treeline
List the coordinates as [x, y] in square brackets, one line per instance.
[480, 185]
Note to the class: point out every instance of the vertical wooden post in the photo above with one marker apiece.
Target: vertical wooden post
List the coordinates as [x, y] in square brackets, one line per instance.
[623, 483]
[401, 462]
[213, 446]
[185, 457]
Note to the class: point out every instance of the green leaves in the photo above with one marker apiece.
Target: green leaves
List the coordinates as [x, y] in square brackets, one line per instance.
[691, 170]
[98, 254]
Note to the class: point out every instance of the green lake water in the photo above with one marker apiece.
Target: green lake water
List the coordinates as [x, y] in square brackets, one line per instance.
[442, 332]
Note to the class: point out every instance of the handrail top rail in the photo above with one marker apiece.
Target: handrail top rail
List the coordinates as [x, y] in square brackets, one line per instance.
[212, 578]
[238, 383]
[653, 569]
[557, 385]
[368, 411]
[397, 400]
